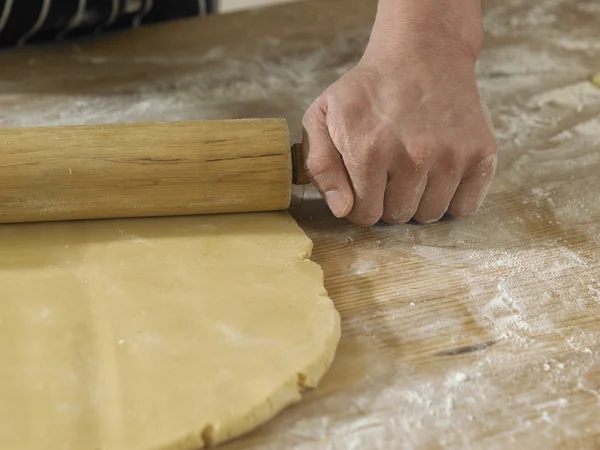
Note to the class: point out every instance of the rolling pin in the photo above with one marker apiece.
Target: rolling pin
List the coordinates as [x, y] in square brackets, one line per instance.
[147, 169]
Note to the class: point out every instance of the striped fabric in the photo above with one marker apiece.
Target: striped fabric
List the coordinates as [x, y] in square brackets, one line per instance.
[29, 21]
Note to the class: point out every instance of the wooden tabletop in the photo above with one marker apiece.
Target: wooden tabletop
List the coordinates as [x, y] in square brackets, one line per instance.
[481, 333]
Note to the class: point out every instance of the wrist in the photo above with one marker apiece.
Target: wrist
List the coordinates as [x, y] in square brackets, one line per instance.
[427, 30]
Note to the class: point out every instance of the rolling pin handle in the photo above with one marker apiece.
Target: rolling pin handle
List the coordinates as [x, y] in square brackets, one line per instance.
[299, 176]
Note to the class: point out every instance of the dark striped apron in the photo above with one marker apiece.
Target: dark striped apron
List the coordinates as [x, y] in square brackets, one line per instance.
[29, 21]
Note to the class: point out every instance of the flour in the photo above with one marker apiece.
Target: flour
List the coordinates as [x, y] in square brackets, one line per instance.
[521, 61]
[575, 96]
[443, 324]
[504, 305]
[523, 273]
[505, 314]
[517, 17]
[238, 337]
[455, 379]
[595, 292]
[236, 88]
[364, 267]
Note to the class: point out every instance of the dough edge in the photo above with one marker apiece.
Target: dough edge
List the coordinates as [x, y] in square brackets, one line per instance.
[285, 395]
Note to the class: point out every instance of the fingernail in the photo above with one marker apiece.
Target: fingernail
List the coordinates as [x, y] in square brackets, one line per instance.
[336, 202]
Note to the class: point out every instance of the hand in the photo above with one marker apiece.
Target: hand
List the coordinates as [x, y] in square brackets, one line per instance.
[401, 139]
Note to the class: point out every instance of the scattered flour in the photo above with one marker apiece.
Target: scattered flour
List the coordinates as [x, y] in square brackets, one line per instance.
[234, 88]
[534, 76]
[364, 267]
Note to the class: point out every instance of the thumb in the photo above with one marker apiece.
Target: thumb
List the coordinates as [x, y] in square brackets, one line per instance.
[324, 164]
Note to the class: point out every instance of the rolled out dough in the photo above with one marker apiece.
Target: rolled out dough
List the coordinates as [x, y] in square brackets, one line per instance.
[171, 333]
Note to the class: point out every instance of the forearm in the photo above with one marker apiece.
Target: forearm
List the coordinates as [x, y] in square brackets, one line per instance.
[427, 28]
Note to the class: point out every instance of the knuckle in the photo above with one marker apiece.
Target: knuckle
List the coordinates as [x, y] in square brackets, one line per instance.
[366, 164]
[317, 166]
[313, 114]
[419, 166]
[488, 160]
[454, 162]
[423, 143]
[308, 114]
[420, 152]
[489, 150]
[487, 166]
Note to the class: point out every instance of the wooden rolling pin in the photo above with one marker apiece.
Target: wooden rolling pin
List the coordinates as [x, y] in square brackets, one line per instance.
[146, 169]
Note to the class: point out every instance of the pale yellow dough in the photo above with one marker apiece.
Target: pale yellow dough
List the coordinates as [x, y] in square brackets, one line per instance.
[173, 333]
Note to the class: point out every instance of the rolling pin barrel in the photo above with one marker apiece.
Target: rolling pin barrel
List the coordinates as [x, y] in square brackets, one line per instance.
[144, 170]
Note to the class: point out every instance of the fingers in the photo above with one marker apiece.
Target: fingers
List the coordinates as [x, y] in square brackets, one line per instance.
[324, 164]
[424, 197]
[427, 197]
[423, 183]
[369, 179]
[352, 188]
[473, 188]
[476, 182]
[402, 196]
[437, 197]
[373, 173]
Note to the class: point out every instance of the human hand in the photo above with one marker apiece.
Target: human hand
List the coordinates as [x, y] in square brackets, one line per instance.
[401, 138]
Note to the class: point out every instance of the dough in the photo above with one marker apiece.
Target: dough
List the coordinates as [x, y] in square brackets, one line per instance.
[169, 333]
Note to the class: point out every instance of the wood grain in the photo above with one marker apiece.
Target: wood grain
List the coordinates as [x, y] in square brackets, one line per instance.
[481, 333]
[144, 169]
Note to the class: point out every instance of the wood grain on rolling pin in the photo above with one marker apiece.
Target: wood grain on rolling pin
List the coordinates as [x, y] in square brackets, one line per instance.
[142, 170]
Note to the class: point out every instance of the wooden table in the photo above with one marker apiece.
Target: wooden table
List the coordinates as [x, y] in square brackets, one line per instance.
[481, 333]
